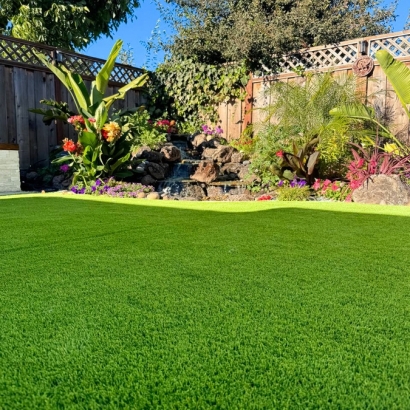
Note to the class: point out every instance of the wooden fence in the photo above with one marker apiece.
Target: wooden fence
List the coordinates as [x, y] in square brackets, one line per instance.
[338, 58]
[24, 81]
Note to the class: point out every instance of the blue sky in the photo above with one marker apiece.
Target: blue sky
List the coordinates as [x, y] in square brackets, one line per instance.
[140, 30]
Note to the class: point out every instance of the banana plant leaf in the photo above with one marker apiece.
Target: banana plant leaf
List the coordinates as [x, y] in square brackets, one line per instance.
[399, 76]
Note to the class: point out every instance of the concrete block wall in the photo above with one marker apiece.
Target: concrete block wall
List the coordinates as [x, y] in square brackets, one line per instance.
[9, 168]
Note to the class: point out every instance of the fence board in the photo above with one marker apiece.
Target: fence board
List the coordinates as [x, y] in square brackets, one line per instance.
[3, 107]
[11, 107]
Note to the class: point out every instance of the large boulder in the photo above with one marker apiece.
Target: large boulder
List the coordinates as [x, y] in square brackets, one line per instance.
[223, 154]
[207, 171]
[158, 171]
[171, 153]
[383, 190]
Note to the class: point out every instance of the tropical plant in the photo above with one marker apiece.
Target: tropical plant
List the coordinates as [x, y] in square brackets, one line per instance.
[399, 76]
[103, 149]
[373, 128]
[365, 125]
[299, 115]
[301, 163]
[374, 161]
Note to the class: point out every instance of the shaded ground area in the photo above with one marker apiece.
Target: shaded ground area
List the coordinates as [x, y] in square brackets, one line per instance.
[132, 304]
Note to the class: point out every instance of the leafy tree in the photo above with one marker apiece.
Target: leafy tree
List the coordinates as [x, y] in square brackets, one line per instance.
[61, 23]
[255, 30]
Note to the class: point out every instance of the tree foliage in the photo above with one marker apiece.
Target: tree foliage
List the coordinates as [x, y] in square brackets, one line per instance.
[255, 30]
[61, 23]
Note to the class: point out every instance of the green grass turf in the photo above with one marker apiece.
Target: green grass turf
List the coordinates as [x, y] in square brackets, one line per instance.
[169, 305]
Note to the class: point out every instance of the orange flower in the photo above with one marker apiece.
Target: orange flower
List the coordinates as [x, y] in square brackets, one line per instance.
[111, 131]
[69, 145]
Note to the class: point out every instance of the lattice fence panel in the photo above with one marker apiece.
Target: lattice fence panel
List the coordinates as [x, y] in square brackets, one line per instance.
[398, 46]
[320, 58]
[22, 52]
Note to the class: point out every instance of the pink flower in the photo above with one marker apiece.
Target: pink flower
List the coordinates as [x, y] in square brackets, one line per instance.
[326, 183]
[91, 120]
[349, 198]
[280, 154]
[316, 185]
[75, 119]
[360, 163]
[355, 184]
[334, 187]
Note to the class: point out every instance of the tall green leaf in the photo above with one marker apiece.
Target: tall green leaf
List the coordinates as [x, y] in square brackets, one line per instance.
[399, 76]
[101, 81]
[138, 82]
[82, 98]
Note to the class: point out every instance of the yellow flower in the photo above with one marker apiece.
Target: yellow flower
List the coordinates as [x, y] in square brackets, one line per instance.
[111, 131]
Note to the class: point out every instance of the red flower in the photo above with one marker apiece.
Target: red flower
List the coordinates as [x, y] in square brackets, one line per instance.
[265, 198]
[69, 145]
[280, 154]
[104, 134]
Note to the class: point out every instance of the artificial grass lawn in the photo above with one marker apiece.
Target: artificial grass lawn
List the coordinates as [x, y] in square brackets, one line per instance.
[134, 304]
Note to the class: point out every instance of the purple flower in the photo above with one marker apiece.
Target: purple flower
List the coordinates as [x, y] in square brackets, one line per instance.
[280, 183]
[98, 182]
[93, 188]
[81, 191]
[302, 183]
[74, 189]
[293, 183]
[219, 130]
[64, 168]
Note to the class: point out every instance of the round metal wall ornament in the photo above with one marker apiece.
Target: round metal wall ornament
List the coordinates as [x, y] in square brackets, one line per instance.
[363, 66]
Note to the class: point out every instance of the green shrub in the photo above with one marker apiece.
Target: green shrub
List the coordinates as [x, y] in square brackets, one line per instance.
[288, 193]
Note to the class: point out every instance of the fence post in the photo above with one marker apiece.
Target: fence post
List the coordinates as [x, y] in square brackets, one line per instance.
[247, 116]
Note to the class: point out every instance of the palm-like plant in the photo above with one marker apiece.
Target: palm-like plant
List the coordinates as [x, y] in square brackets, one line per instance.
[299, 115]
[398, 75]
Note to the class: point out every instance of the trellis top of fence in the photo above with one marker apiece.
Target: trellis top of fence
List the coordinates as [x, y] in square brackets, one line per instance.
[22, 53]
[346, 52]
